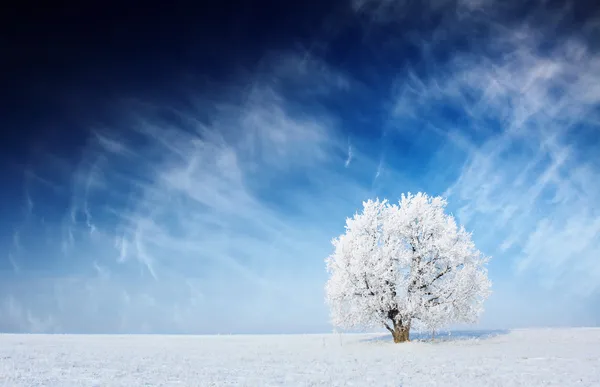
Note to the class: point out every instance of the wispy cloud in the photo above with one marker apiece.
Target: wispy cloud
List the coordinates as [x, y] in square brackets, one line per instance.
[103, 272]
[17, 317]
[13, 262]
[379, 169]
[210, 209]
[350, 155]
[526, 115]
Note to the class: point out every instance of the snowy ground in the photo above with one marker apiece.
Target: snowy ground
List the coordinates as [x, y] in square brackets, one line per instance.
[561, 357]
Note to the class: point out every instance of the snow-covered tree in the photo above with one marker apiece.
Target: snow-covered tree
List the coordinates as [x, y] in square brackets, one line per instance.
[401, 265]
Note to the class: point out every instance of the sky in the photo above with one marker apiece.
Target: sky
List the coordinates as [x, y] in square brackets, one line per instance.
[184, 170]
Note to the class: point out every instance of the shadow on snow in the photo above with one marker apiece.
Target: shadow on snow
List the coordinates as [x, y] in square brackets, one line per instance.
[444, 336]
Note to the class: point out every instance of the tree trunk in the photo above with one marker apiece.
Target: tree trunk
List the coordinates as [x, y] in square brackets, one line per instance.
[401, 333]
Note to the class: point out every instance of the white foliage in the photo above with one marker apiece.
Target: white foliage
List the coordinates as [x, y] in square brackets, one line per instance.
[404, 263]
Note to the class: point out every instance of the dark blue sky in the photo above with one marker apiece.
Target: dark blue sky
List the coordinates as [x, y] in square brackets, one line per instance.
[153, 153]
[66, 65]
[71, 62]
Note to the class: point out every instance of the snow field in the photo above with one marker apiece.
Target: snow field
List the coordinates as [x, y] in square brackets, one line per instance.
[543, 357]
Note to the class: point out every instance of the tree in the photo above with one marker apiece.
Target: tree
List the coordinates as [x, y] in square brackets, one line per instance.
[404, 265]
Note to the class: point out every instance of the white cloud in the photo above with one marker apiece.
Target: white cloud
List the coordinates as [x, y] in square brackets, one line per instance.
[16, 317]
[531, 183]
[199, 213]
[13, 263]
[350, 154]
[311, 75]
[379, 169]
[392, 11]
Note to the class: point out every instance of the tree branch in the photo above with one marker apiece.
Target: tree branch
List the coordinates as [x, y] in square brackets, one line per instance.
[388, 327]
[368, 287]
[440, 275]
[432, 300]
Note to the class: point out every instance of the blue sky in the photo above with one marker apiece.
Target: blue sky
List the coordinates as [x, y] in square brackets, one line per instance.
[190, 178]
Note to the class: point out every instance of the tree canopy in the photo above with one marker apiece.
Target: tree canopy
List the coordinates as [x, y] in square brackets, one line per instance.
[406, 264]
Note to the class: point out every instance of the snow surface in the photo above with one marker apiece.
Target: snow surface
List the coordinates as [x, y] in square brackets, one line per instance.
[549, 357]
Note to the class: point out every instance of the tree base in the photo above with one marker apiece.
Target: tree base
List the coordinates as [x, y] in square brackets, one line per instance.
[401, 334]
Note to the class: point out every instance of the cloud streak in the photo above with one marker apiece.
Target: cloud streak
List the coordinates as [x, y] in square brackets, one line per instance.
[188, 215]
[525, 112]
[350, 154]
